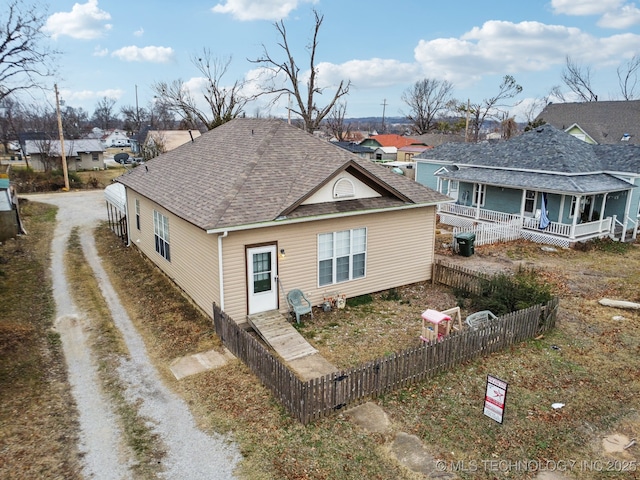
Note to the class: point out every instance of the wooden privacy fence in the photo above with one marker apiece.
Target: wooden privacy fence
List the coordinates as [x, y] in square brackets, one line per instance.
[322, 396]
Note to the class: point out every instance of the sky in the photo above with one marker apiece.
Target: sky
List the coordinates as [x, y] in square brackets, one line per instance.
[119, 49]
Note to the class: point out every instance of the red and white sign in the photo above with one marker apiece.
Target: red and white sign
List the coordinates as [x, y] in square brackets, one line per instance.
[494, 398]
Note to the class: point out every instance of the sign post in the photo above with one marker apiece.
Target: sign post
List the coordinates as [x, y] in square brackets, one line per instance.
[494, 398]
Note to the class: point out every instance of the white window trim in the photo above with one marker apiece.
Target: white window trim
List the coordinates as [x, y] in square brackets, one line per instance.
[137, 203]
[479, 191]
[334, 258]
[161, 234]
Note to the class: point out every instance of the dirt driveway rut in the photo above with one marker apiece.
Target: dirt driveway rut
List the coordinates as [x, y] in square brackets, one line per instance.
[189, 452]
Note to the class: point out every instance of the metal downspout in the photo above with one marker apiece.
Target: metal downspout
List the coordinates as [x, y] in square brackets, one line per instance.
[220, 269]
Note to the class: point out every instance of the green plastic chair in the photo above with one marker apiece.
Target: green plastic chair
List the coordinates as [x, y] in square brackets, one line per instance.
[299, 304]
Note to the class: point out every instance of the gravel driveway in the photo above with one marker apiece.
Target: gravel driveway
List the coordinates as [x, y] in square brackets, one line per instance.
[190, 453]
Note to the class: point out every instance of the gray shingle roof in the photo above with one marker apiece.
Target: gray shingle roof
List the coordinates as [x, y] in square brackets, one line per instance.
[546, 157]
[249, 171]
[573, 184]
[545, 149]
[605, 122]
[71, 147]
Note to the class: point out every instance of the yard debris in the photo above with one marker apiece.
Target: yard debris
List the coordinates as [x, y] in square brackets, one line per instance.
[607, 302]
[630, 444]
[557, 405]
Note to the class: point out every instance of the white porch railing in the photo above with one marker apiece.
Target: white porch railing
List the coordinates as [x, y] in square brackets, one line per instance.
[580, 231]
[479, 214]
[554, 228]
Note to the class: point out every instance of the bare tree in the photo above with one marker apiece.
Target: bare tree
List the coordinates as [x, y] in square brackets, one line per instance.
[578, 79]
[336, 124]
[303, 92]
[224, 102]
[477, 113]
[628, 78]
[104, 115]
[427, 98]
[25, 58]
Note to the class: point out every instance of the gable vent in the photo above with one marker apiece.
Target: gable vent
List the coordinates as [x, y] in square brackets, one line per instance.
[343, 188]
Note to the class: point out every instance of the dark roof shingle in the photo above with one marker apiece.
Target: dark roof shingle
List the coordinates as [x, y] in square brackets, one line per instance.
[249, 171]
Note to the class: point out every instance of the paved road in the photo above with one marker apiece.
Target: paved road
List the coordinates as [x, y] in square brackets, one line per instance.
[190, 453]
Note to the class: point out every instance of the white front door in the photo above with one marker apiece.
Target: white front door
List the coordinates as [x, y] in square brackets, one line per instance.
[262, 277]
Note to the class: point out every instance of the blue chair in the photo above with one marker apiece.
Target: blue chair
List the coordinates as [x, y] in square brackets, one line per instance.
[299, 304]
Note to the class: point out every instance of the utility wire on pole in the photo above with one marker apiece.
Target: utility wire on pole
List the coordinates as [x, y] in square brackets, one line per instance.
[65, 170]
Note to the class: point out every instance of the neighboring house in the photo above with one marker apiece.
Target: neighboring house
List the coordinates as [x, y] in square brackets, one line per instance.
[161, 141]
[357, 149]
[257, 207]
[385, 154]
[389, 143]
[588, 190]
[603, 123]
[406, 153]
[81, 154]
[115, 139]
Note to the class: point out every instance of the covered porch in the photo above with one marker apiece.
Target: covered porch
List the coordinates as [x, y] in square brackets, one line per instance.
[577, 218]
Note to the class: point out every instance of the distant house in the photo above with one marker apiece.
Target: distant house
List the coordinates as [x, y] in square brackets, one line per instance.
[256, 207]
[82, 154]
[406, 153]
[387, 145]
[357, 149]
[151, 143]
[546, 184]
[602, 123]
[115, 139]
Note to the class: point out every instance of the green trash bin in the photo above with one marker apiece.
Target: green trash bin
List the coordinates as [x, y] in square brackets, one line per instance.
[465, 243]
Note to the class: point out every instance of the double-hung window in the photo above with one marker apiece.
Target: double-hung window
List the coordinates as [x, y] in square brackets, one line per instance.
[138, 213]
[341, 256]
[161, 234]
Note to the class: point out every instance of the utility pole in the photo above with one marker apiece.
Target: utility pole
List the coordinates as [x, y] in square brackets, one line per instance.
[137, 111]
[384, 107]
[65, 170]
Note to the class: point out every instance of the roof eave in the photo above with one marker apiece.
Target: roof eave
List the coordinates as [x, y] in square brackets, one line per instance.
[290, 221]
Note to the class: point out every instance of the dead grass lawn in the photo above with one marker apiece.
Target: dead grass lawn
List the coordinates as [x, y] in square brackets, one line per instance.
[590, 362]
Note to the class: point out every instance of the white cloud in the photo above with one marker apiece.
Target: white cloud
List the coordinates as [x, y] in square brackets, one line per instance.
[626, 17]
[89, 95]
[372, 73]
[100, 52]
[585, 7]
[501, 48]
[259, 9]
[139, 32]
[144, 54]
[84, 21]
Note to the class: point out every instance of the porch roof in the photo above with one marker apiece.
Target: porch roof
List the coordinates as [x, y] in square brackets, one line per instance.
[567, 184]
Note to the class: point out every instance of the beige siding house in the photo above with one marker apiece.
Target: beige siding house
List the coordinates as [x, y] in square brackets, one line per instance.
[81, 154]
[289, 211]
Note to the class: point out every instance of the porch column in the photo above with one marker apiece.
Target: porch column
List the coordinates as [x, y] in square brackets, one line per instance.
[627, 208]
[522, 202]
[576, 212]
[602, 207]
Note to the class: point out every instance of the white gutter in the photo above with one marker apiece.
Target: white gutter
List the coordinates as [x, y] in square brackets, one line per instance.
[288, 221]
[220, 270]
